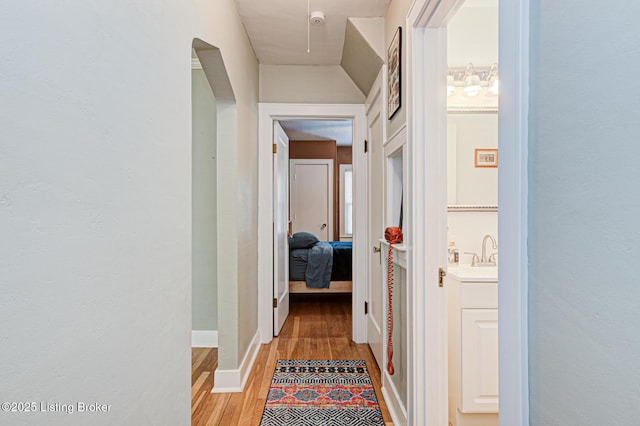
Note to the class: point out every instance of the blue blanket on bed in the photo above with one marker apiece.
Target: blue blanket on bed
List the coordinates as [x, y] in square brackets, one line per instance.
[318, 274]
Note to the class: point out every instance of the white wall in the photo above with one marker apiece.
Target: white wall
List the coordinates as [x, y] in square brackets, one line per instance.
[468, 229]
[466, 183]
[308, 84]
[204, 251]
[95, 199]
[472, 35]
[584, 209]
[396, 17]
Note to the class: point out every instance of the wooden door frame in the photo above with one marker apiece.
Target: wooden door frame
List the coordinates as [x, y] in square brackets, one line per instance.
[329, 163]
[267, 113]
[426, 71]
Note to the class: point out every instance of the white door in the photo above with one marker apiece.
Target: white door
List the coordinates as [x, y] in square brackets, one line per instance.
[312, 197]
[280, 227]
[376, 187]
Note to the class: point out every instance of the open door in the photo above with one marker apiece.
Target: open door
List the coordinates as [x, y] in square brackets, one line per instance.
[375, 321]
[280, 227]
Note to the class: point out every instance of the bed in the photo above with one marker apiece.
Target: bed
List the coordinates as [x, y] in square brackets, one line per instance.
[319, 266]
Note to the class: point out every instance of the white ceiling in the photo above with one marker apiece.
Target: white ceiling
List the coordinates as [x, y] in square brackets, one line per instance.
[314, 130]
[278, 28]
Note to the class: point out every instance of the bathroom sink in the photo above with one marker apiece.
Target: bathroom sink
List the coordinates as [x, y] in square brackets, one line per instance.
[468, 273]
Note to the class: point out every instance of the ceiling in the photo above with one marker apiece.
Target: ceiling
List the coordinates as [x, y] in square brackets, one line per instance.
[278, 33]
[316, 130]
[278, 28]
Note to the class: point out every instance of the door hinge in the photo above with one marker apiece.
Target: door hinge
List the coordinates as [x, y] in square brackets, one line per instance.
[275, 302]
[366, 146]
[366, 308]
[441, 274]
[275, 148]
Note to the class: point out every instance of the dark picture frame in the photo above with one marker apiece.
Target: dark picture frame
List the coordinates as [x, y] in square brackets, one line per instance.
[394, 83]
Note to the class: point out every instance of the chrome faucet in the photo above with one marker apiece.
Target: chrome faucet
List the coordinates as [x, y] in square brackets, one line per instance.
[484, 260]
[491, 260]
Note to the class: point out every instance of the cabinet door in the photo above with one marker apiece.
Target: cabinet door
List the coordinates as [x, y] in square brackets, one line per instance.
[479, 361]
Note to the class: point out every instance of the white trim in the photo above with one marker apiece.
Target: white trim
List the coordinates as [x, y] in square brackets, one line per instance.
[204, 338]
[234, 380]
[331, 178]
[396, 141]
[513, 142]
[395, 134]
[343, 168]
[427, 400]
[392, 399]
[267, 114]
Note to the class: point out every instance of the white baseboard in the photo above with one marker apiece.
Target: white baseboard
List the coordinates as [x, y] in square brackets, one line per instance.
[390, 393]
[204, 338]
[234, 380]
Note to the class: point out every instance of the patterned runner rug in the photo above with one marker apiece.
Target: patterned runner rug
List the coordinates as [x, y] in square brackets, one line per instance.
[310, 393]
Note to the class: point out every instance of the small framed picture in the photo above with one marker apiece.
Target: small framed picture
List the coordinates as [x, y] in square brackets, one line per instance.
[486, 157]
[394, 84]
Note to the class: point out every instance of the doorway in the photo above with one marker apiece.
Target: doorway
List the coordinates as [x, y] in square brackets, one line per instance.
[472, 214]
[320, 207]
[427, 117]
[269, 113]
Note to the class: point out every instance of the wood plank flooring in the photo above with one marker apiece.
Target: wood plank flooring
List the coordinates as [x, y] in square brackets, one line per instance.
[318, 327]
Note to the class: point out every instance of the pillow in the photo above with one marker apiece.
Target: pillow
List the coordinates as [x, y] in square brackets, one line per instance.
[302, 240]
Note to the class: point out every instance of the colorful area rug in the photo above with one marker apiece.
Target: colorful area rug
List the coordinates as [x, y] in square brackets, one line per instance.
[323, 392]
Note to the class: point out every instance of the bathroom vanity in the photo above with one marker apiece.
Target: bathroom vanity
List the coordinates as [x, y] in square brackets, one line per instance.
[473, 345]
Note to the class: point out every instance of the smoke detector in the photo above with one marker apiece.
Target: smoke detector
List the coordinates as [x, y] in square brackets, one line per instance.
[317, 18]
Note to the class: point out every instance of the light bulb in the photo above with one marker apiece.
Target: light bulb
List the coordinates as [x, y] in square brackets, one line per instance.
[494, 87]
[473, 85]
[450, 87]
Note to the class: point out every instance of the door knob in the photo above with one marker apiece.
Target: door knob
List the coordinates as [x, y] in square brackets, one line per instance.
[324, 225]
[376, 249]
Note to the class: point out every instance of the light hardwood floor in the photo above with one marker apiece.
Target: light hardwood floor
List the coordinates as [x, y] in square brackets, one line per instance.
[318, 327]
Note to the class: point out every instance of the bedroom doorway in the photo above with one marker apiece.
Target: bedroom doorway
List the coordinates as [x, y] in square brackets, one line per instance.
[320, 211]
[290, 116]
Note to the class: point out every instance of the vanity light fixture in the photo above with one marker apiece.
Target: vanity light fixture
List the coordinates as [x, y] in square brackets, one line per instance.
[473, 81]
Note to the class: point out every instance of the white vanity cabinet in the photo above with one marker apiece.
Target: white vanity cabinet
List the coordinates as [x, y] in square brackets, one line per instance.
[473, 346]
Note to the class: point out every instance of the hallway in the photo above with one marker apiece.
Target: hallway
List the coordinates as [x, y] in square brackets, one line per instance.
[317, 328]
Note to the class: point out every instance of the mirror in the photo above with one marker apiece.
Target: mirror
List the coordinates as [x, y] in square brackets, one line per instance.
[472, 160]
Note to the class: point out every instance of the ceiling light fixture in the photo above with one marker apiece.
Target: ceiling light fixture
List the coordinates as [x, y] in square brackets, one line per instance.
[315, 18]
